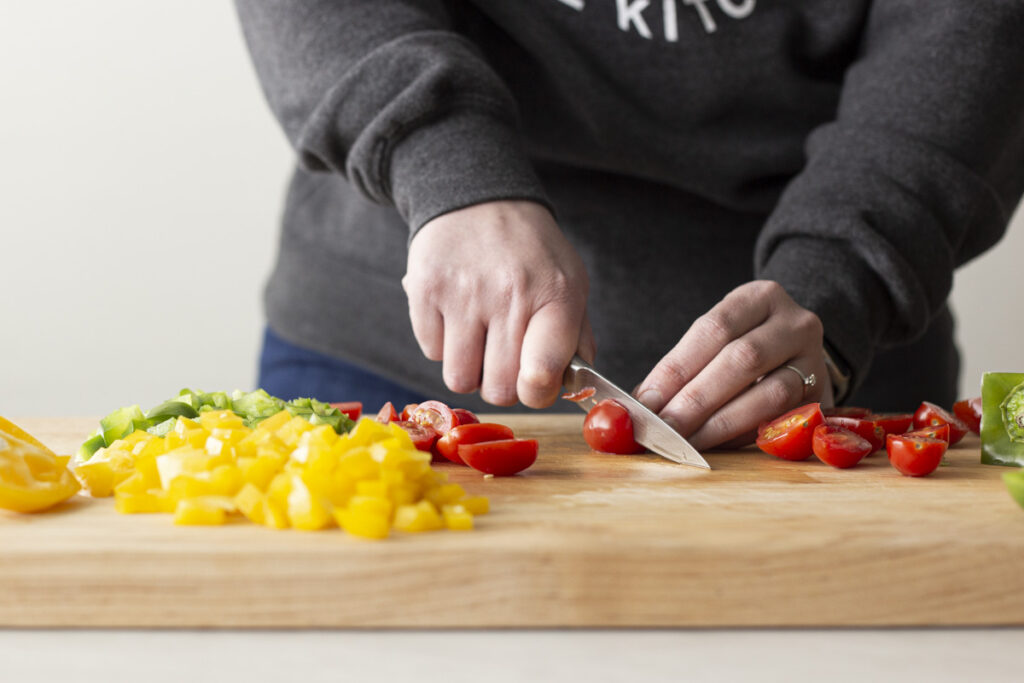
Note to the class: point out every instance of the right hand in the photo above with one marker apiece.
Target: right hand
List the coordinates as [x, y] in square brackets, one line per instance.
[499, 295]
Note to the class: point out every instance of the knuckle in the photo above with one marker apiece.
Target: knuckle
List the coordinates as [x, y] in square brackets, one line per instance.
[716, 327]
[780, 396]
[694, 402]
[747, 356]
[672, 372]
[722, 426]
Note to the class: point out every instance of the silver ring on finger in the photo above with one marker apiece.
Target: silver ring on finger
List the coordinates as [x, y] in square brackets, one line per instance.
[808, 381]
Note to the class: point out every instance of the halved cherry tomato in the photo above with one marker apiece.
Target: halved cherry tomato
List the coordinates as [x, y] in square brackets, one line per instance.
[931, 415]
[892, 423]
[465, 417]
[435, 414]
[423, 436]
[838, 446]
[937, 432]
[500, 458]
[846, 411]
[609, 428]
[581, 395]
[969, 410]
[387, 413]
[914, 456]
[866, 429]
[406, 413]
[790, 436]
[353, 409]
[474, 432]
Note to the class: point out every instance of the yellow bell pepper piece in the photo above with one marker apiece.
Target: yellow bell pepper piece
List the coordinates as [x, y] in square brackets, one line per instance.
[457, 518]
[32, 478]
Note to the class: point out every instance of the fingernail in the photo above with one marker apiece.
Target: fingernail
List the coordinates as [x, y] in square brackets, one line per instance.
[651, 398]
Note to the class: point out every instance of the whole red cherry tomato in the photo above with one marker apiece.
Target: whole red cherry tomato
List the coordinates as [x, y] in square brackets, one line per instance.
[474, 432]
[892, 423]
[865, 429]
[500, 458]
[931, 415]
[969, 410]
[790, 436]
[914, 456]
[609, 429]
[838, 446]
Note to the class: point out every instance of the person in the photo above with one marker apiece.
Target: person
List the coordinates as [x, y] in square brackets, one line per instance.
[736, 206]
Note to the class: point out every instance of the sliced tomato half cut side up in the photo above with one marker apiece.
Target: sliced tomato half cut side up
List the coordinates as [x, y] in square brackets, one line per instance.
[838, 446]
[790, 436]
[931, 415]
[387, 413]
[435, 414]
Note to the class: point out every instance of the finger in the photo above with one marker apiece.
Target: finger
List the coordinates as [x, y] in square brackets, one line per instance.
[463, 353]
[779, 391]
[501, 359]
[740, 363]
[428, 328]
[552, 336]
[587, 346]
[739, 312]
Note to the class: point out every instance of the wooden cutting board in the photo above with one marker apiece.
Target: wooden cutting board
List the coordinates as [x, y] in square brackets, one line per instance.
[580, 539]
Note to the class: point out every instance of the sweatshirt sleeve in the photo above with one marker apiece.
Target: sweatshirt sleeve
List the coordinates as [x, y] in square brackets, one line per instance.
[389, 95]
[919, 172]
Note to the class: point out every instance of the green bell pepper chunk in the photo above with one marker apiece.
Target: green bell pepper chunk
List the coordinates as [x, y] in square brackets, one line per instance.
[1015, 485]
[1002, 418]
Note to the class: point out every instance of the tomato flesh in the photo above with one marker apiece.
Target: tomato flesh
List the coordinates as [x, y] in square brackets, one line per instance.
[866, 429]
[406, 413]
[892, 423]
[914, 456]
[931, 415]
[581, 395]
[434, 414]
[500, 458]
[969, 410]
[846, 411]
[838, 446]
[387, 413]
[474, 432]
[938, 432]
[609, 428]
[790, 436]
[353, 409]
[465, 417]
[423, 436]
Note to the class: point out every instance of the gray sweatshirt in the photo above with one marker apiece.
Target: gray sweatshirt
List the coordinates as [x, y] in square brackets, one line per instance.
[855, 151]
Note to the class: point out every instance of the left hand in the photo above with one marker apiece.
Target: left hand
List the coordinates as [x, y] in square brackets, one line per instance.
[728, 372]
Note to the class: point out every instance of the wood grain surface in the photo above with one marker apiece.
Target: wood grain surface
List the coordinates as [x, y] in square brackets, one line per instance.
[580, 539]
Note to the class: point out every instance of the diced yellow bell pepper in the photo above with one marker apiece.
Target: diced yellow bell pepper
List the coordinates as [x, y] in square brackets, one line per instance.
[444, 494]
[363, 523]
[32, 478]
[207, 510]
[477, 505]
[305, 510]
[220, 419]
[250, 502]
[152, 501]
[422, 516]
[457, 518]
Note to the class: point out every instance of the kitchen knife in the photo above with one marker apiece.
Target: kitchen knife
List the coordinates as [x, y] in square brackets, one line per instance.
[649, 430]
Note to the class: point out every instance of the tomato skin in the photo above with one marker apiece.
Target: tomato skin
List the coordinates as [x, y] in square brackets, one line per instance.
[353, 409]
[609, 428]
[931, 415]
[465, 417]
[892, 423]
[406, 413]
[387, 413]
[790, 436]
[474, 432]
[938, 432]
[866, 429]
[914, 456]
[423, 436]
[969, 410]
[846, 411]
[500, 458]
[838, 446]
[435, 414]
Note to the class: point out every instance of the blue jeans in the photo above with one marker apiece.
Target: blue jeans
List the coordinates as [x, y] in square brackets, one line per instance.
[288, 371]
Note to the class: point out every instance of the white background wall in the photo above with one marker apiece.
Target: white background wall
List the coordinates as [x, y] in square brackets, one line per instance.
[141, 179]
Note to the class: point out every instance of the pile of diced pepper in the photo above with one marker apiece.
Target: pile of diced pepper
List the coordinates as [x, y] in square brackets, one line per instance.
[283, 473]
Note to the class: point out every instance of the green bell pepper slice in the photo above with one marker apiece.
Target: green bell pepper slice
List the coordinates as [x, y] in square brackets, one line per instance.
[1002, 418]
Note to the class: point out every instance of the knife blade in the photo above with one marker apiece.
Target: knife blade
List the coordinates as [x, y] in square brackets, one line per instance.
[649, 430]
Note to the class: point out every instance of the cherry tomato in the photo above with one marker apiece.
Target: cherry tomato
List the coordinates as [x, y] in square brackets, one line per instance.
[931, 415]
[423, 436]
[914, 456]
[846, 411]
[609, 429]
[937, 432]
[465, 417]
[790, 436]
[838, 446]
[387, 413]
[892, 423]
[969, 410]
[866, 429]
[474, 432]
[435, 414]
[407, 410]
[351, 408]
[500, 458]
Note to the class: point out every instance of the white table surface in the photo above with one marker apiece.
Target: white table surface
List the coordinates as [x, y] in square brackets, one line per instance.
[832, 655]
